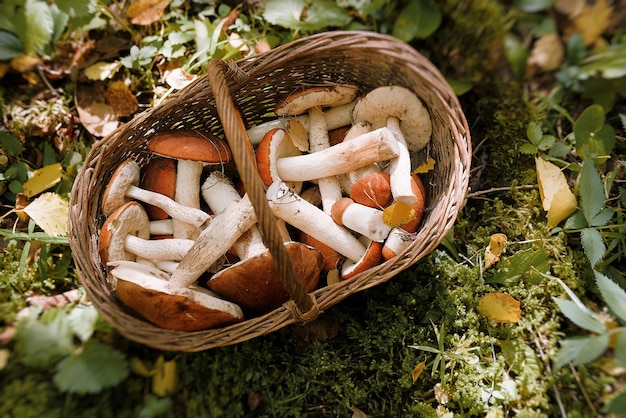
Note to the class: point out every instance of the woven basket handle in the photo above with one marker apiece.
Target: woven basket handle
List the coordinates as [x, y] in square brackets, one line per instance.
[243, 154]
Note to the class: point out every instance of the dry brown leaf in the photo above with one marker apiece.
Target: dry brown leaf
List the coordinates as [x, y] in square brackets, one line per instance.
[494, 249]
[547, 53]
[119, 97]
[178, 78]
[556, 196]
[146, 12]
[102, 70]
[357, 413]
[418, 370]
[500, 307]
[98, 118]
[593, 21]
[25, 63]
[570, 8]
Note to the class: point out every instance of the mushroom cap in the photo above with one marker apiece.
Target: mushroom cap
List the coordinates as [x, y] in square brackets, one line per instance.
[191, 146]
[128, 219]
[124, 176]
[146, 290]
[302, 100]
[418, 207]
[373, 190]
[382, 102]
[332, 259]
[254, 284]
[158, 175]
[275, 144]
[338, 208]
[372, 257]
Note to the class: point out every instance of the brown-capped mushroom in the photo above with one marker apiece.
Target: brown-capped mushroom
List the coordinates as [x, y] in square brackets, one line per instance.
[148, 292]
[400, 110]
[192, 150]
[159, 176]
[371, 258]
[124, 236]
[372, 190]
[275, 144]
[123, 187]
[365, 220]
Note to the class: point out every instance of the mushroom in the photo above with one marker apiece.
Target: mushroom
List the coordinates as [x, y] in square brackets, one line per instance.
[253, 282]
[359, 218]
[400, 110]
[332, 259]
[192, 150]
[335, 117]
[123, 187]
[294, 210]
[371, 258]
[275, 144]
[149, 293]
[158, 175]
[312, 100]
[124, 236]
[373, 190]
[348, 179]
[377, 145]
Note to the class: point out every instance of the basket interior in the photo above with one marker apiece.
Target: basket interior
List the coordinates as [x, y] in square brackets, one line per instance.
[365, 59]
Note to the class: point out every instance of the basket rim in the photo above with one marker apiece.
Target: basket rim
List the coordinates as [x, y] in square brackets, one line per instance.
[325, 296]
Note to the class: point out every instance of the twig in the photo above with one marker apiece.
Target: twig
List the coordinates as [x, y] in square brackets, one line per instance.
[501, 189]
[582, 388]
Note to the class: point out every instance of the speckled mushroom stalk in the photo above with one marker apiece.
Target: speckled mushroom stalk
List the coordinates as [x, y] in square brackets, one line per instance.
[123, 187]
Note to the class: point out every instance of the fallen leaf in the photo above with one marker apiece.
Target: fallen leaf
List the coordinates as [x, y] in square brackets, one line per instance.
[494, 249]
[119, 97]
[146, 12]
[425, 167]
[418, 370]
[593, 21]
[500, 307]
[102, 70]
[357, 413]
[42, 179]
[397, 214]
[570, 8]
[547, 53]
[556, 196]
[98, 118]
[50, 212]
[138, 366]
[25, 63]
[178, 78]
[298, 134]
[165, 379]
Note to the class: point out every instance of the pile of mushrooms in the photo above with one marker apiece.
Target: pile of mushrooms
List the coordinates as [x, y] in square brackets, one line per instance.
[180, 241]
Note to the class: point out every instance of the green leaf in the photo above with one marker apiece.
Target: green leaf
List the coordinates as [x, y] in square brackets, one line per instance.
[417, 20]
[620, 347]
[292, 14]
[523, 263]
[608, 62]
[603, 217]
[460, 87]
[96, 367]
[591, 191]
[520, 357]
[154, 406]
[77, 8]
[326, 13]
[10, 46]
[593, 244]
[42, 341]
[614, 296]
[528, 149]
[532, 6]
[580, 315]
[82, 319]
[534, 133]
[10, 144]
[576, 221]
[616, 405]
[581, 350]
[516, 53]
[590, 121]
[38, 26]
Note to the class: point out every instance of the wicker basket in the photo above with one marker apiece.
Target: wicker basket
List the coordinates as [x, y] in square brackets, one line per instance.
[254, 86]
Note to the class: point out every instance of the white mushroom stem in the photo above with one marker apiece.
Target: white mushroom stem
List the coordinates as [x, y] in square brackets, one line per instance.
[348, 179]
[335, 117]
[330, 188]
[162, 249]
[377, 145]
[214, 241]
[218, 191]
[359, 218]
[400, 167]
[296, 211]
[397, 242]
[187, 194]
[161, 227]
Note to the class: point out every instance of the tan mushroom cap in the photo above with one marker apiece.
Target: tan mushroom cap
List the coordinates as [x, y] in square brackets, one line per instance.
[373, 190]
[381, 103]
[191, 146]
[254, 283]
[114, 195]
[146, 290]
[128, 219]
[302, 100]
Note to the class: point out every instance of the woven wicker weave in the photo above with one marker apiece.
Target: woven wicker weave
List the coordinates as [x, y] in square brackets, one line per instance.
[256, 84]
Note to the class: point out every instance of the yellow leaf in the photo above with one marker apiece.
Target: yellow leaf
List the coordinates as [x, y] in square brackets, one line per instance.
[417, 371]
[102, 70]
[165, 379]
[548, 52]
[43, 179]
[398, 214]
[494, 249]
[146, 12]
[138, 366]
[556, 196]
[500, 307]
[426, 167]
[593, 21]
[50, 212]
